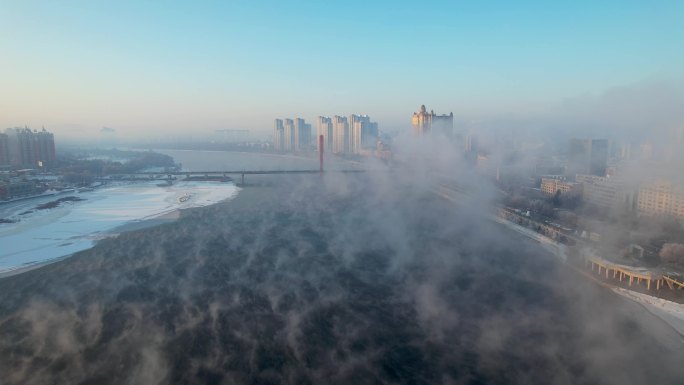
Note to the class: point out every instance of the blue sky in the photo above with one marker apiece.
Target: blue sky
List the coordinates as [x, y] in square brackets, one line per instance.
[170, 66]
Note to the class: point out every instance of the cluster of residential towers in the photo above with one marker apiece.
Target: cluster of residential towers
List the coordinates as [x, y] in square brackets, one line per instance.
[341, 134]
[355, 134]
[26, 148]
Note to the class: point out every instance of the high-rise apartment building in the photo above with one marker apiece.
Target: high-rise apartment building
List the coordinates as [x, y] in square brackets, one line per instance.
[29, 148]
[661, 197]
[364, 133]
[288, 135]
[324, 127]
[587, 156]
[598, 156]
[424, 122]
[612, 193]
[340, 135]
[302, 135]
[291, 135]
[278, 135]
[4, 150]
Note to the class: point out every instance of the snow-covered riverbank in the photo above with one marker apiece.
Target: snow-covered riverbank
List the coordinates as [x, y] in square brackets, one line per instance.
[670, 312]
[40, 236]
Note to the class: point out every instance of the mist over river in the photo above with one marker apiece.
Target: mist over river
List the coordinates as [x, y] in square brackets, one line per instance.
[340, 279]
[194, 160]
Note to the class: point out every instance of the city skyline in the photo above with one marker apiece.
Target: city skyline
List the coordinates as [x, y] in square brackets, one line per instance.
[167, 70]
[309, 192]
[355, 134]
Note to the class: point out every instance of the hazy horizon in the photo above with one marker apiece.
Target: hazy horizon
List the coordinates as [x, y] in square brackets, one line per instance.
[150, 71]
[166, 230]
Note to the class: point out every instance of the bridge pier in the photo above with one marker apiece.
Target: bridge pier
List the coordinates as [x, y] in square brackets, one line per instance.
[243, 179]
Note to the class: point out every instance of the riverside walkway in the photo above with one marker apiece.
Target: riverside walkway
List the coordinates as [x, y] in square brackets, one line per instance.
[633, 274]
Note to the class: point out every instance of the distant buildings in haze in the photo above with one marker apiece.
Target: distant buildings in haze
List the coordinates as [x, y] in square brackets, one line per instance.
[291, 135]
[23, 147]
[302, 135]
[588, 156]
[552, 184]
[654, 196]
[353, 134]
[364, 134]
[606, 192]
[662, 197]
[4, 149]
[278, 135]
[324, 127]
[341, 135]
[424, 122]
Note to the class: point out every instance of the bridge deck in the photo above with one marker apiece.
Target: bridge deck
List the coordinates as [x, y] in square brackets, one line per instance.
[238, 172]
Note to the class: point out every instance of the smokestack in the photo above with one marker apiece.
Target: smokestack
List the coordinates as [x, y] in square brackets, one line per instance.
[320, 150]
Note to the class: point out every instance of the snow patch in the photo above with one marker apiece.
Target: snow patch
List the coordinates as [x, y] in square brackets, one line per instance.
[45, 235]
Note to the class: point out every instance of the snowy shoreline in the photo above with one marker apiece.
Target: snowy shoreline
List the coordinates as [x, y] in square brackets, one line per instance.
[670, 312]
[45, 236]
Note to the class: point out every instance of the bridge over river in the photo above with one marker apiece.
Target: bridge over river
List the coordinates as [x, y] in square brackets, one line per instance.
[173, 175]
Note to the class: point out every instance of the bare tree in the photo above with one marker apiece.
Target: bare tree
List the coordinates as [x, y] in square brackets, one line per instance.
[672, 253]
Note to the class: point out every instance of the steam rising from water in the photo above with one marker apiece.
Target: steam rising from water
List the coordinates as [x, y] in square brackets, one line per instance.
[359, 279]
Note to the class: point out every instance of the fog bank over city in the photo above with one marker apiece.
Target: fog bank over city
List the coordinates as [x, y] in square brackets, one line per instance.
[633, 111]
[385, 192]
[337, 278]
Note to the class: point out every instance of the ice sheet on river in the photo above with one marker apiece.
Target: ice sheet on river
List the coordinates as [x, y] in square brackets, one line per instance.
[44, 235]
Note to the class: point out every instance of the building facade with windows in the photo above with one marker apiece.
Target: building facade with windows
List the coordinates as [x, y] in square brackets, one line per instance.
[661, 197]
[607, 192]
[554, 183]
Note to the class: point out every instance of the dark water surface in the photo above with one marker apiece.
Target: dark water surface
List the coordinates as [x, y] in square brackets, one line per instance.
[344, 280]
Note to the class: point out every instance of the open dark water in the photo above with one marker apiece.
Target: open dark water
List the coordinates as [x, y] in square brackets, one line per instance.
[340, 280]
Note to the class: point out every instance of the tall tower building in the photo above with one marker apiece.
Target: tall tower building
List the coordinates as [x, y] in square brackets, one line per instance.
[424, 122]
[302, 135]
[364, 133]
[420, 122]
[340, 135]
[30, 148]
[588, 156]
[4, 150]
[598, 157]
[288, 135]
[324, 127]
[278, 135]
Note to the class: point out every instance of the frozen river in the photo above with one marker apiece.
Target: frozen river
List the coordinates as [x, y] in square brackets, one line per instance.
[40, 236]
[45, 235]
